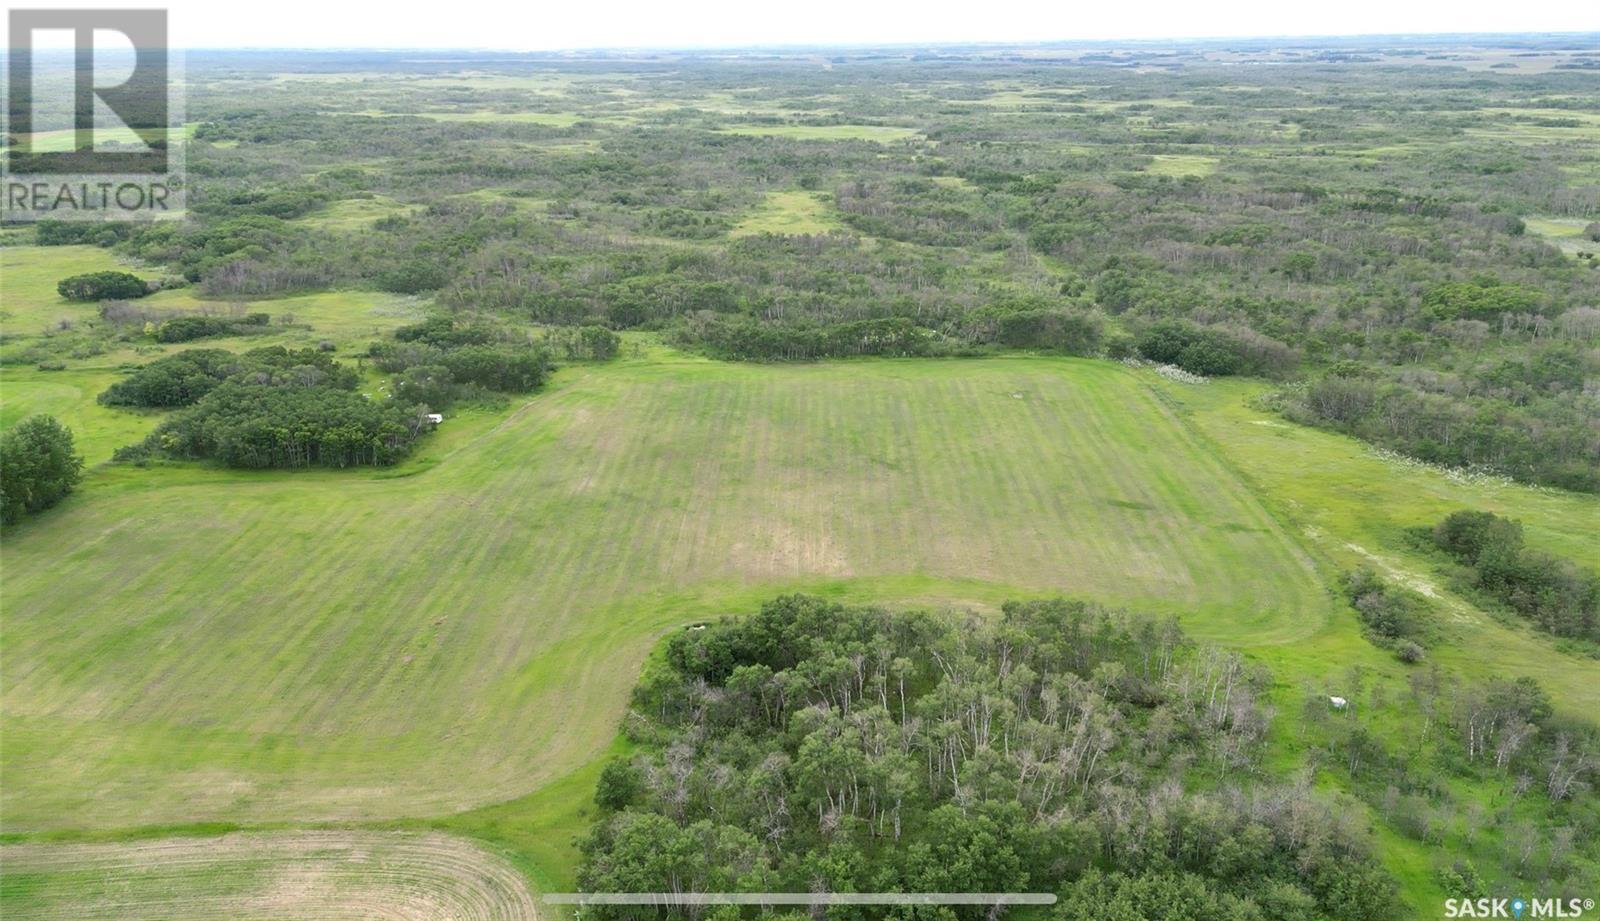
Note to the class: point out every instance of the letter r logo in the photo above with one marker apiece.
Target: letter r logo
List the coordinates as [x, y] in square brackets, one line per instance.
[140, 102]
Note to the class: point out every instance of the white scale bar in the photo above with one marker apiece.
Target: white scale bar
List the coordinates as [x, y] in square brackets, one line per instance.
[799, 898]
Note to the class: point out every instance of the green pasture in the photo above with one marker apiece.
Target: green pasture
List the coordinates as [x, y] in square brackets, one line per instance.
[1566, 234]
[32, 313]
[1181, 165]
[243, 647]
[789, 213]
[882, 134]
[449, 644]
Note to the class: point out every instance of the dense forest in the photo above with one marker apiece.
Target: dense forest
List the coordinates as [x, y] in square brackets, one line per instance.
[812, 747]
[1061, 748]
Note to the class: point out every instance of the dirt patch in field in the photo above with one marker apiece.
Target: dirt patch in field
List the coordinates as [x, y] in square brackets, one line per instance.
[302, 875]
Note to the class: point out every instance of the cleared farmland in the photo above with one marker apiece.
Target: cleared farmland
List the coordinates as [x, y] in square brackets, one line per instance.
[310, 875]
[335, 646]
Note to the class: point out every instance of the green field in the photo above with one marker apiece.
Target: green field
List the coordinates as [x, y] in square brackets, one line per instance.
[70, 397]
[1566, 234]
[553, 119]
[354, 214]
[472, 626]
[792, 213]
[1181, 165]
[883, 134]
[63, 139]
[471, 632]
[30, 309]
[1352, 507]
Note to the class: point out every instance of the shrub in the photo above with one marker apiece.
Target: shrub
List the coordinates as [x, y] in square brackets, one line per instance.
[505, 368]
[177, 380]
[619, 784]
[102, 286]
[584, 343]
[1467, 535]
[1057, 330]
[1480, 299]
[182, 379]
[1392, 616]
[412, 278]
[68, 233]
[446, 333]
[186, 329]
[748, 339]
[429, 385]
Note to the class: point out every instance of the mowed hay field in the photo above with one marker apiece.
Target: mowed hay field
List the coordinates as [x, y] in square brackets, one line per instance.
[188, 646]
[266, 875]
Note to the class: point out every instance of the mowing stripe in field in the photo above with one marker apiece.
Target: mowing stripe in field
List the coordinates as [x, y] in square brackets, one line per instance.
[184, 646]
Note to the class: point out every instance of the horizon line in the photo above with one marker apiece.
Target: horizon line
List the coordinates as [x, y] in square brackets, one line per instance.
[1412, 36]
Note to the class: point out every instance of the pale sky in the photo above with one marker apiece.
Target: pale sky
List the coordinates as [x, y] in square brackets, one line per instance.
[719, 23]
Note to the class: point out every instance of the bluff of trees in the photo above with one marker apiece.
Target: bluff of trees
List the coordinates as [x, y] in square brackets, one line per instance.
[259, 425]
[1524, 417]
[439, 360]
[183, 378]
[278, 407]
[268, 407]
[816, 747]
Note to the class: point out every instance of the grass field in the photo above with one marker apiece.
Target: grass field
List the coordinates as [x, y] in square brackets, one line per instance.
[335, 646]
[354, 214]
[1353, 508]
[70, 397]
[793, 213]
[28, 275]
[553, 119]
[268, 875]
[1181, 165]
[1566, 234]
[63, 139]
[463, 639]
[30, 308]
[883, 134]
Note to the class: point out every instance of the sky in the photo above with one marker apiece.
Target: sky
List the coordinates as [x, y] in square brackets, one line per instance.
[570, 24]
